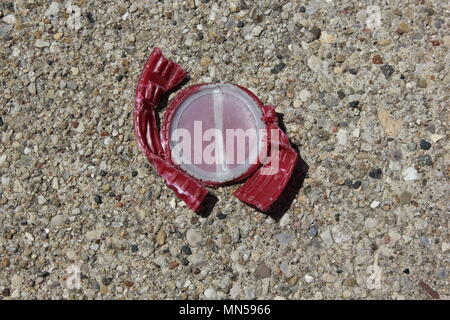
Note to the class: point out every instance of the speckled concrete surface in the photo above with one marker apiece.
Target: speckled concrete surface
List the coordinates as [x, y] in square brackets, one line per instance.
[363, 89]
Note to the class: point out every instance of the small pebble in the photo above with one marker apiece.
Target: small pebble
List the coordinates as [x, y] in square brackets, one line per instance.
[353, 104]
[376, 173]
[376, 59]
[278, 68]
[425, 145]
[356, 184]
[98, 199]
[425, 160]
[313, 230]
[387, 70]
[221, 216]
[410, 174]
[405, 197]
[186, 250]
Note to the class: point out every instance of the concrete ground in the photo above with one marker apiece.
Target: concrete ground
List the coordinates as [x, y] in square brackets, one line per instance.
[363, 89]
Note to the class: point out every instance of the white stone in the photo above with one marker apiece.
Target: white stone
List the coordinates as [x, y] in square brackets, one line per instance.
[297, 103]
[42, 43]
[371, 223]
[256, 32]
[341, 234]
[80, 128]
[308, 278]
[314, 63]
[41, 199]
[17, 187]
[93, 235]
[436, 137]
[326, 37]
[394, 236]
[366, 147]
[374, 204]
[2, 159]
[395, 166]
[342, 137]
[57, 220]
[210, 294]
[16, 52]
[71, 254]
[356, 133]
[5, 181]
[445, 246]
[410, 174]
[75, 71]
[173, 203]
[304, 95]
[9, 19]
[55, 184]
[326, 237]
[284, 221]
[235, 291]
[193, 237]
[53, 10]
[250, 293]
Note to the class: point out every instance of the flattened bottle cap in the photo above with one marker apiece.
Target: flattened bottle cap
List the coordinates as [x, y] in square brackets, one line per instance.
[201, 116]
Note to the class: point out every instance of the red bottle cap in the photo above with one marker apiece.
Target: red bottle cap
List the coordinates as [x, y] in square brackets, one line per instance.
[212, 134]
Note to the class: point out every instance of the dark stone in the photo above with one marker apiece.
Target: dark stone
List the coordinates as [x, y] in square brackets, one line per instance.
[278, 68]
[354, 104]
[240, 24]
[356, 184]
[406, 271]
[102, 173]
[313, 230]
[316, 32]
[186, 250]
[341, 94]
[353, 71]
[348, 182]
[6, 292]
[90, 18]
[431, 128]
[119, 78]
[184, 262]
[302, 9]
[425, 160]
[1, 122]
[262, 271]
[45, 274]
[98, 199]
[221, 216]
[134, 173]
[376, 173]
[107, 280]
[387, 70]
[425, 145]
[199, 36]
[134, 248]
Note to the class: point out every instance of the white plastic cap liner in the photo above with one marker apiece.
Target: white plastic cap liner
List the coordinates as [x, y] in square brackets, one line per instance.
[236, 115]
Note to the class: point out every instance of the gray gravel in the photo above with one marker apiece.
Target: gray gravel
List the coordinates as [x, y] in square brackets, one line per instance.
[84, 216]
